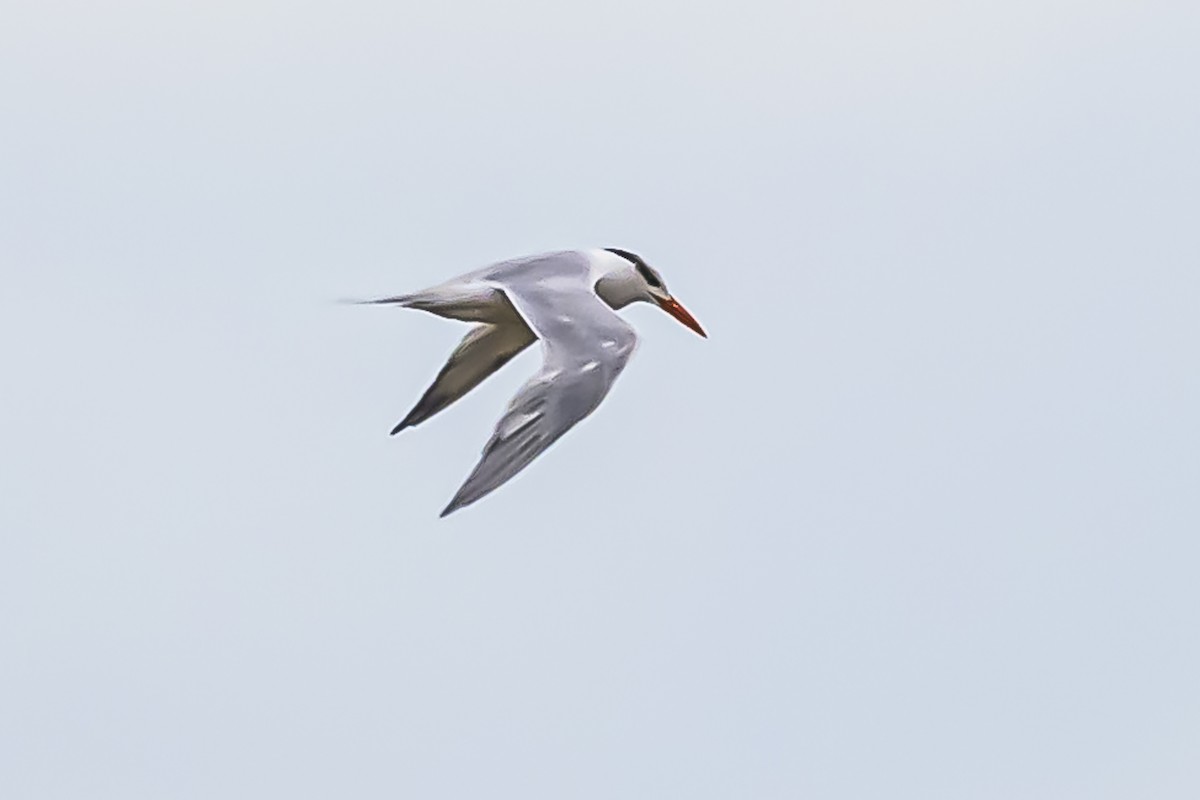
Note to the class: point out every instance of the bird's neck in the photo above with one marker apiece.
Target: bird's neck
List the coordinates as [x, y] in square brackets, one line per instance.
[615, 280]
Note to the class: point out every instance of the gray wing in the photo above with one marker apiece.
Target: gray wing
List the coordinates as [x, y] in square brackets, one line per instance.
[481, 352]
[586, 346]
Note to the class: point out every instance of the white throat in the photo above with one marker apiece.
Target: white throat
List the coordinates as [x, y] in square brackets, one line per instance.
[615, 279]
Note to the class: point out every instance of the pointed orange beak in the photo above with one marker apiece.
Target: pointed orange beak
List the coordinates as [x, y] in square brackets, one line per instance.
[672, 307]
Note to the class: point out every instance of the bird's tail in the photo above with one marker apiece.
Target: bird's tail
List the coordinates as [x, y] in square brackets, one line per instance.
[395, 300]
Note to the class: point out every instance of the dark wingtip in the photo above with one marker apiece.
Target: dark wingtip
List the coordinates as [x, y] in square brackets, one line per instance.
[459, 500]
[410, 419]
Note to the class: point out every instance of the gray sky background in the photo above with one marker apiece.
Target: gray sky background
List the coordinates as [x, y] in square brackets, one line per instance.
[919, 520]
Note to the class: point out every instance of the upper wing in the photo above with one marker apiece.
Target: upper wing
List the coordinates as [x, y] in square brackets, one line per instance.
[483, 351]
[586, 346]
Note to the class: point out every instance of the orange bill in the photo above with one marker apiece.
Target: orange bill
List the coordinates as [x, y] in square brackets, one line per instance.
[672, 307]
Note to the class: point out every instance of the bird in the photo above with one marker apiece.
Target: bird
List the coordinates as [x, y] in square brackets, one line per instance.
[566, 299]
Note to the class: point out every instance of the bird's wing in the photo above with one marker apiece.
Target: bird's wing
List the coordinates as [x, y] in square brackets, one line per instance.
[485, 349]
[586, 345]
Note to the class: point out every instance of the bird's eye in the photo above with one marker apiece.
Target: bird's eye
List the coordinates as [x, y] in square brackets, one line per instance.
[649, 276]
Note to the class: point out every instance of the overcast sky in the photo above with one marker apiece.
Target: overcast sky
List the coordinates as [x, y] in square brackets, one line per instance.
[921, 519]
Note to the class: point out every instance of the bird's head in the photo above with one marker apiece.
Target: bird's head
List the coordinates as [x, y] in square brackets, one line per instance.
[632, 280]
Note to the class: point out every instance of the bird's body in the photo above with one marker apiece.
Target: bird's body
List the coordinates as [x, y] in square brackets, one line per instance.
[567, 300]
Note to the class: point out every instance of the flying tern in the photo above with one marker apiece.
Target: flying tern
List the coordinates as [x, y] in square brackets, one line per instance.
[567, 300]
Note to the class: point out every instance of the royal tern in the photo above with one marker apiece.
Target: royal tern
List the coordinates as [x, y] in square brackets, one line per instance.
[567, 300]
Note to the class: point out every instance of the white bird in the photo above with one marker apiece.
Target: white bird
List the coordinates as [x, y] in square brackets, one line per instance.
[566, 299]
